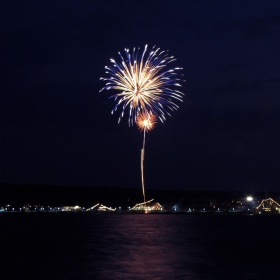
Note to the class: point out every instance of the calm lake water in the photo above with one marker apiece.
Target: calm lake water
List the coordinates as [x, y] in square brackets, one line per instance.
[137, 246]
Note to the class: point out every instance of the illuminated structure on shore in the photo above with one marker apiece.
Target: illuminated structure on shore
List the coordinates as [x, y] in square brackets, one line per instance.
[101, 207]
[147, 206]
[268, 205]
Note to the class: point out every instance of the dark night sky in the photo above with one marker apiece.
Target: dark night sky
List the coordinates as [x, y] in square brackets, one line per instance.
[56, 128]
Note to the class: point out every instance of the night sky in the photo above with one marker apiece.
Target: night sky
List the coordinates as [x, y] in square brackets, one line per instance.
[57, 129]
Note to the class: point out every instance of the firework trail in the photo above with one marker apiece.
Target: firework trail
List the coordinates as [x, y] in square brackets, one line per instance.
[146, 89]
[146, 122]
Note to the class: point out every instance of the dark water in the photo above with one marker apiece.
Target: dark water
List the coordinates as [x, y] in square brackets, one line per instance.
[119, 246]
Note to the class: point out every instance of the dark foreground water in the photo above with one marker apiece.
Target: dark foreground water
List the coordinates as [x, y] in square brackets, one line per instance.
[118, 246]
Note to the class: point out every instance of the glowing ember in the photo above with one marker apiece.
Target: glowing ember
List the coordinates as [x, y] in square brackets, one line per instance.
[146, 121]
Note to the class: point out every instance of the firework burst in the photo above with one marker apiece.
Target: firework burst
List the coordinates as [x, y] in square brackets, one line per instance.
[144, 84]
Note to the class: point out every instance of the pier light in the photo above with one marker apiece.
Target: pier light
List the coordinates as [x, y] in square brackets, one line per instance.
[249, 198]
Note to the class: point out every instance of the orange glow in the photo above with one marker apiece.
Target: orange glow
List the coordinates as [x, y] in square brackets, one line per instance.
[146, 120]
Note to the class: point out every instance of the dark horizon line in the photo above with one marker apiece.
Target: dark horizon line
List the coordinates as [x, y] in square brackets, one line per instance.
[249, 190]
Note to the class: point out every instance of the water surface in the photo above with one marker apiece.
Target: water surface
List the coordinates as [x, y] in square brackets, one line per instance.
[126, 246]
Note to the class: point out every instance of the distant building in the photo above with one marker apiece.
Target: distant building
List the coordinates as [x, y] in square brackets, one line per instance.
[248, 203]
[70, 208]
[213, 203]
[147, 206]
[268, 205]
[101, 208]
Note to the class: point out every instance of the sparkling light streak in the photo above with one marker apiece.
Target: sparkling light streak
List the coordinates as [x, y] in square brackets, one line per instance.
[144, 83]
[145, 121]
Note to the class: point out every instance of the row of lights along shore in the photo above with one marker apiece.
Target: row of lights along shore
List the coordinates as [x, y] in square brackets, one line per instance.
[245, 205]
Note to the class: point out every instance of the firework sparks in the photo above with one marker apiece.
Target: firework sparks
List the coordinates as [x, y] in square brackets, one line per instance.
[144, 84]
[146, 121]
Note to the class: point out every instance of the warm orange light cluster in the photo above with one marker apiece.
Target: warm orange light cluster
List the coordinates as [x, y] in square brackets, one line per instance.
[147, 206]
[270, 201]
[146, 121]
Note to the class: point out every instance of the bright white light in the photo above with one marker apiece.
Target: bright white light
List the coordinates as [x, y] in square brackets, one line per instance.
[249, 198]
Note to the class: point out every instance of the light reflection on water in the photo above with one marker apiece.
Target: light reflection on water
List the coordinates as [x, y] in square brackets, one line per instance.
[149, 246]
[187, 247]
[118, 246]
